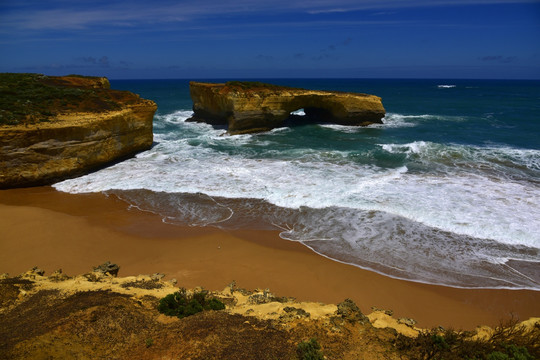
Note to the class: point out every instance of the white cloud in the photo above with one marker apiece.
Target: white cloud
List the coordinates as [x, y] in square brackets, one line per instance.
[61, 14]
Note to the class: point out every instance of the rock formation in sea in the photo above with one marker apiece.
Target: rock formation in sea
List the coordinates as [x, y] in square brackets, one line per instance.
[54, 128]
[247, 107]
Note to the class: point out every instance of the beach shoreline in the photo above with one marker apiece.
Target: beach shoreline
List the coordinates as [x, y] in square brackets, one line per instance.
[50, 229]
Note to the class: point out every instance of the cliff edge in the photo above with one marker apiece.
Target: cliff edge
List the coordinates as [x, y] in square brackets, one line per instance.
[98, 315]
[53, 128]
[247, 107]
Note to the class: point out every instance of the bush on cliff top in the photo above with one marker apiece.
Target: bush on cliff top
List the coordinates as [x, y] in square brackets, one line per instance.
[33, 98]
[181, 304]
[309, 350]
[509, 341]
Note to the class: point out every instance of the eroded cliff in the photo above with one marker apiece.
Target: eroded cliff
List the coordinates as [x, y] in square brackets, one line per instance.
[252, 107]
[54, 128]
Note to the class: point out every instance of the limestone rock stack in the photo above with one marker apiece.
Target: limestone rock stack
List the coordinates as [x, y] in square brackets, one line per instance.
[247, 107]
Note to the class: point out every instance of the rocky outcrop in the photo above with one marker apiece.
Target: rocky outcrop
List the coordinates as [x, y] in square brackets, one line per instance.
[247, 107]
[349, 311]
[92, 129]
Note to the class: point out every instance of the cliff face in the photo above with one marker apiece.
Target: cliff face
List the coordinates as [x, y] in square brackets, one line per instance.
[80, 139]
[253, 107]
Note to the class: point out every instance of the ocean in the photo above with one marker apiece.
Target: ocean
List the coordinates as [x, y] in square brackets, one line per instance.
[446, 191]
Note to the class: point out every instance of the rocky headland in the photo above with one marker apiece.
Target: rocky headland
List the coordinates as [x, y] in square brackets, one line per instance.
[53, 128]
[247, 107]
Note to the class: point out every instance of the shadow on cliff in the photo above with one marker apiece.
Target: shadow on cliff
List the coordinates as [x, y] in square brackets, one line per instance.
[303, 120]
[293, 121]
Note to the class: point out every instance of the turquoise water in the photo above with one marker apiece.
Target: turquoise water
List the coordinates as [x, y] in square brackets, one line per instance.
[446, 191]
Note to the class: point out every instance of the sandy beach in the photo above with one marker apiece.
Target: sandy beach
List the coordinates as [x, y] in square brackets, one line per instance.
[52, 230]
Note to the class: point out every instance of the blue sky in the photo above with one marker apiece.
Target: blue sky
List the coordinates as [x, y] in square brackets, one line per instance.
[267, 39]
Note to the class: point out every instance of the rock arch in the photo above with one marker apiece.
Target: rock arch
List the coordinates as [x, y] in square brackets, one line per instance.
[248, 107]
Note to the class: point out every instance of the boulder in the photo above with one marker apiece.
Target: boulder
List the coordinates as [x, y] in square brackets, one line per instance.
[247, 107]
[107, 268]
[407, 321]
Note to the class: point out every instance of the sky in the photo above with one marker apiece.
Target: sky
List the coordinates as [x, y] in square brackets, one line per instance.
[159, 39]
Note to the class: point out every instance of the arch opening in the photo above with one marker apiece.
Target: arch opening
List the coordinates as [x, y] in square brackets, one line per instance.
[308, 115]
[299, 112]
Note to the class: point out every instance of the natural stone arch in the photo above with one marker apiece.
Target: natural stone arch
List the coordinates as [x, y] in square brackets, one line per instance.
[253, 107]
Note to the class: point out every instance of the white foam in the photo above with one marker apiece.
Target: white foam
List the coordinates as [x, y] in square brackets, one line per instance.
[393, 120]
[299, 112]
[468, 190]
[391, 245]
[390, 120]
[446, 86]
[410, 148]
[280, 130]
[176, 117]
[466, 203]
[341, 128]
[471, 205]
[493, 157]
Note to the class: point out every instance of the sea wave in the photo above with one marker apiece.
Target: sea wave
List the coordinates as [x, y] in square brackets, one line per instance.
[476, 203]
[343, 192]
[390, 120]
[176, 117]
[374, 240]
[495, 157]
[397, 247]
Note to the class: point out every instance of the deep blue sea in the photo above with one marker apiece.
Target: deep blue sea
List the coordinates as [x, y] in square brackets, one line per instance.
[446, 191]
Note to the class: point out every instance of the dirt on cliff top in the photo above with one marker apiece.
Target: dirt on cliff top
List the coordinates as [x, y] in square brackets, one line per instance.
[34, 98]
[256, 87]
[95, 316]
[99, 316]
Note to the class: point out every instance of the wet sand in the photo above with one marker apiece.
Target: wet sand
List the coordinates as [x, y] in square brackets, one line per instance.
[52, 230]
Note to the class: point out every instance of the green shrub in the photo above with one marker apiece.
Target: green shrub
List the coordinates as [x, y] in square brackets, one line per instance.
[439, 342]
[509, 341]
[497, 355]
[511, 352]
[309, 350]
[181, 304]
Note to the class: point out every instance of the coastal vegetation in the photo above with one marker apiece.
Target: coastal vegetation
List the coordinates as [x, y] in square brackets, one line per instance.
[182, 304]
[120, 318]
[309, 350]
[508, 341]
[27, 98]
